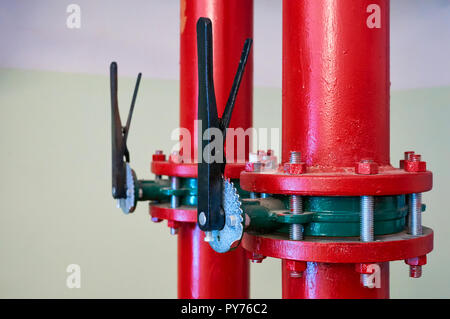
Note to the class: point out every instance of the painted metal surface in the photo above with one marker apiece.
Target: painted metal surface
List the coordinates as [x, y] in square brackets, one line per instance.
[332, 216]
[341, 250]
[335, 82]
[168, 168]
[332, 281]
[186, 214]
[325, 182]
[233, 24]
[336, 113]
[203, 273]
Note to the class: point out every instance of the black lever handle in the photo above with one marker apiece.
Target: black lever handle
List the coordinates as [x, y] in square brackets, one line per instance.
[119, 135]
[210, 213]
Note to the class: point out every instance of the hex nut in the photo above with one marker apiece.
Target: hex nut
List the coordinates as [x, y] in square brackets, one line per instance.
[295, 265]
[256, 258]
[417, 261]
[415, 166]
[294, 168]
[366, 167]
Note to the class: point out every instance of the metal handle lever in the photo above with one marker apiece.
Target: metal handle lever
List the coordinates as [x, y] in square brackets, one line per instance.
[210, 211]
[119, 135]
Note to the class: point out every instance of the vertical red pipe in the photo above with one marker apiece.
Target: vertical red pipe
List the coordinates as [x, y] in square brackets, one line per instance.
[335, 109]
[232, 22]
[332, 281]
[203, 273]
[336, 81]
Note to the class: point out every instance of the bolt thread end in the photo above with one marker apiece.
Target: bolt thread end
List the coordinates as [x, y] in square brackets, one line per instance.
[296, 232]
[415, 271]
[295, 157]
[367, 209]
[415, 214]
[295, 204]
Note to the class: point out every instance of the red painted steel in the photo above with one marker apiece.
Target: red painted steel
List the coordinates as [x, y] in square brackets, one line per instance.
[168, 168]
[332, 281]
[203, 273]
[341, 250]
[345, 182]
[336, 113]
[232, 22]
[335, 82]
[180, 214]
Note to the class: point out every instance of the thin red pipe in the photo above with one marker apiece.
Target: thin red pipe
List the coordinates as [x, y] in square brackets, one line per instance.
[232, 22]
[203, 273]
[332, 281]
[335, 81]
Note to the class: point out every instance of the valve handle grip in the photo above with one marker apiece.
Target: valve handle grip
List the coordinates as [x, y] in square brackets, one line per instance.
[211, 161]
[119, 134]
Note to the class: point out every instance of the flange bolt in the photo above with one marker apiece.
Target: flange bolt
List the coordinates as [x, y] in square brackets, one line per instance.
[295, 204]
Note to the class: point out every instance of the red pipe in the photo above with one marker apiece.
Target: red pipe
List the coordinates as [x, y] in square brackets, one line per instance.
[335, 110]
[203, 273]
[232, 22]
[335, 82]
[332, 281]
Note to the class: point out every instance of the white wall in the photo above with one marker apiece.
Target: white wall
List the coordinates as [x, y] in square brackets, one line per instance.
[55, 206]
[143, 35]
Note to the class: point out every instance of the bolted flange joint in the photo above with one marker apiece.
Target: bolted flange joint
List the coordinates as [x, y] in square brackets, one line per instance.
[367, 167]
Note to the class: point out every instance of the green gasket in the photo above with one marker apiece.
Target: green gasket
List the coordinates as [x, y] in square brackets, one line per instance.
[286, 217]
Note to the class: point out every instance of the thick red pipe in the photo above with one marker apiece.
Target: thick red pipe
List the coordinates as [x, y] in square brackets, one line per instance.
[336, 81]
[335, 109]
[232, 22]
[203, 273]
[332, 281]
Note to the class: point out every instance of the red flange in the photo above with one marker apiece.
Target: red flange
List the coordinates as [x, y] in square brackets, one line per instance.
[338, 182]
[168, 168]
[180, 214]
[341, 250]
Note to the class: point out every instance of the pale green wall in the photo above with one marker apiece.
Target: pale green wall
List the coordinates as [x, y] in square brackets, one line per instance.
[56, 207]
